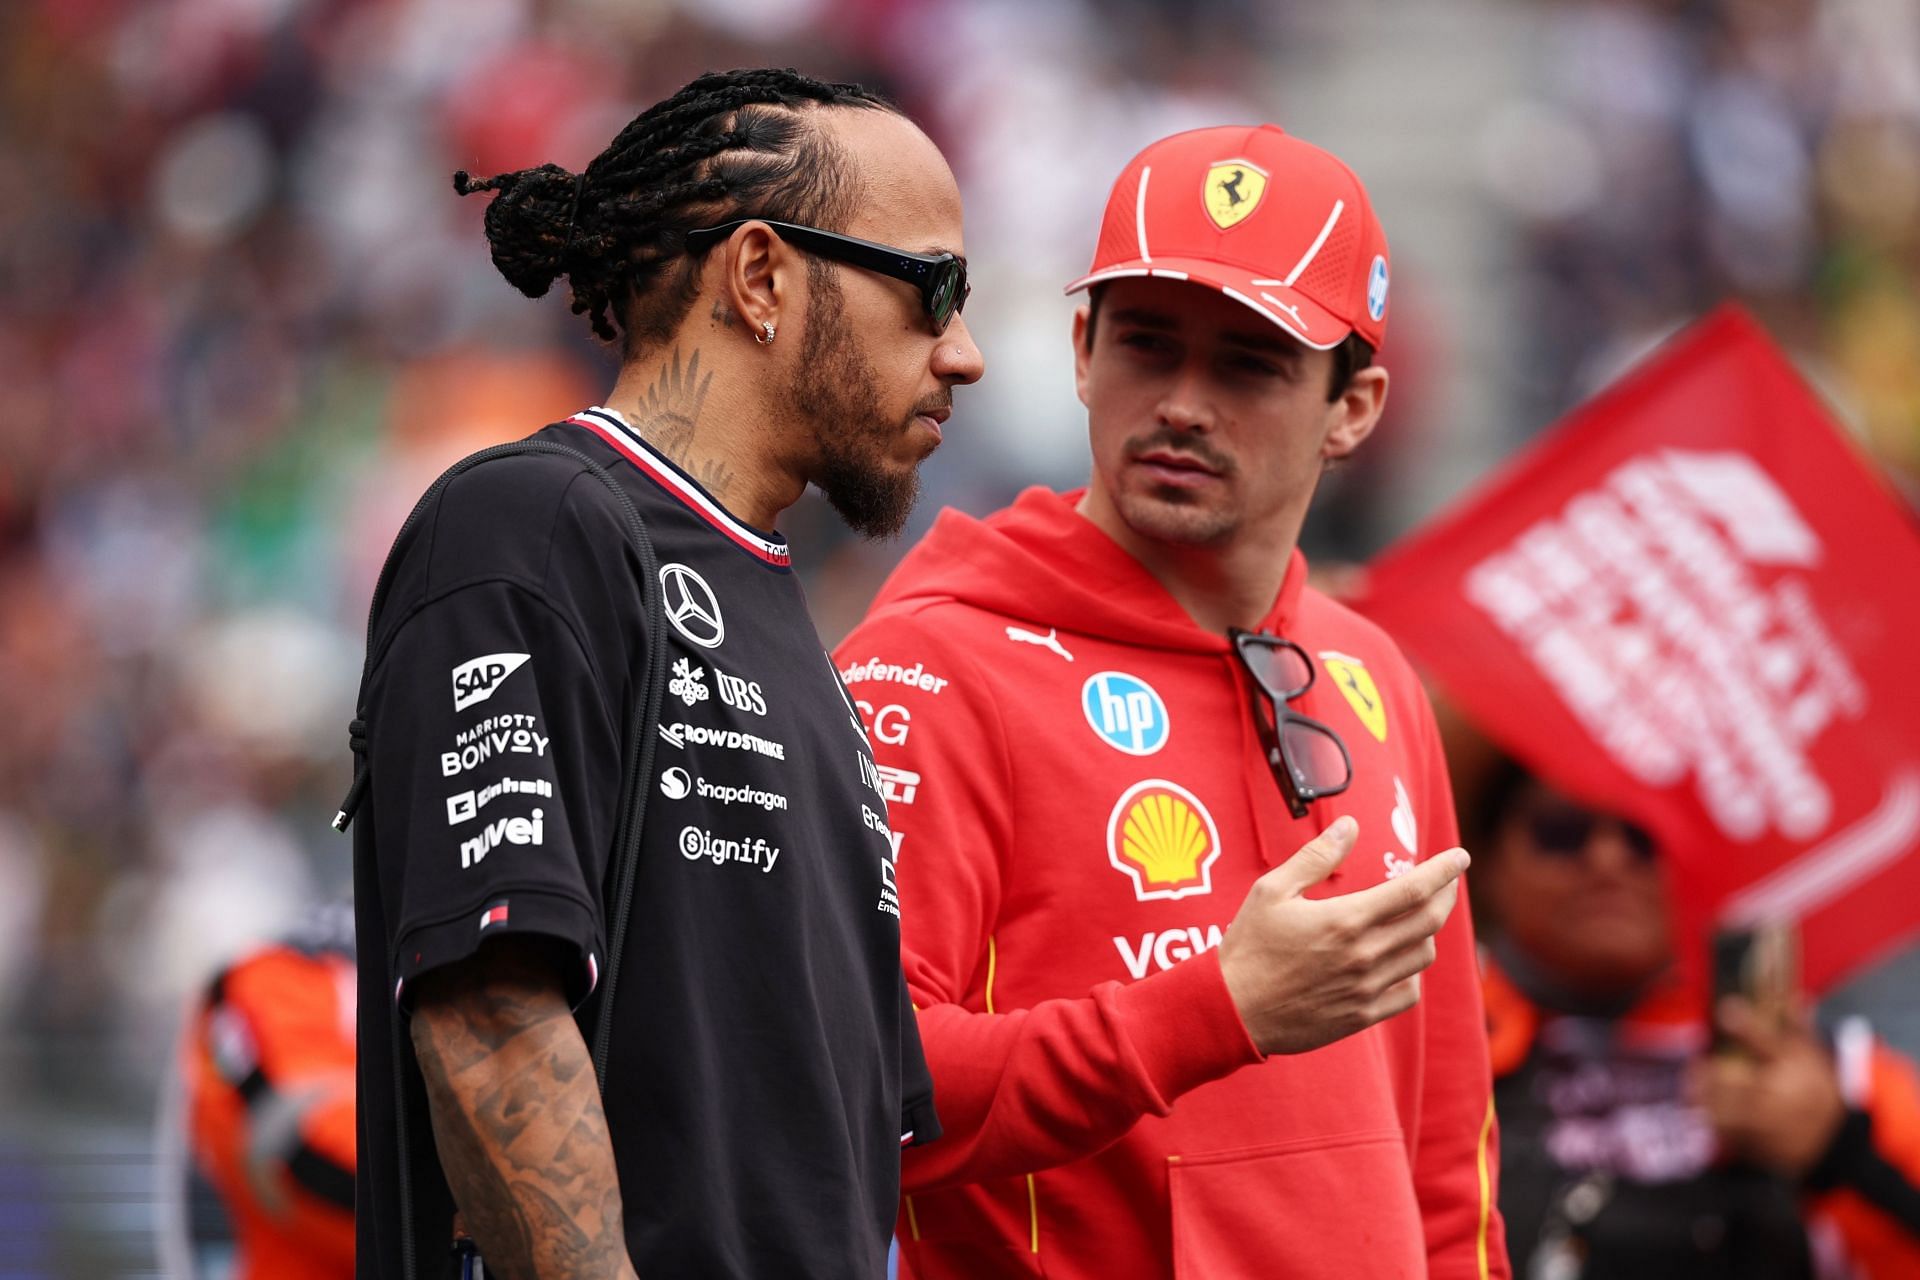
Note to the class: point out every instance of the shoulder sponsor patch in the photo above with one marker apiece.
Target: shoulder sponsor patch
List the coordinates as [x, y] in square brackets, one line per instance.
[1355, 682]
[1162, 838]
[1126, 712]
[475, 680]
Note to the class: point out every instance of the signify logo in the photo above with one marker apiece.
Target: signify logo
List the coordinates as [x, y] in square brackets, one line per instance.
[506, 831]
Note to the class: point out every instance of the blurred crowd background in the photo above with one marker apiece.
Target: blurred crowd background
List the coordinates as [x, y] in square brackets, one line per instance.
[244, 320]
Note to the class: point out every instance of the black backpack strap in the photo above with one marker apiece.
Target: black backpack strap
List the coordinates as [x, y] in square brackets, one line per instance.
[637, 762]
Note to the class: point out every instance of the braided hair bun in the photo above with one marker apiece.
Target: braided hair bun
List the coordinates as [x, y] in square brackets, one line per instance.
[730, 144]
[530, 224]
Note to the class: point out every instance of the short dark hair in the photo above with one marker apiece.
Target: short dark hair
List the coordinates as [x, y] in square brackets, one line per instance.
[1352, 355]
[730, 144]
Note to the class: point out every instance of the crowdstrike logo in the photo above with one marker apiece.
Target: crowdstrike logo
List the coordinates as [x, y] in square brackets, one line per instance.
[680, 735]
[475, 680]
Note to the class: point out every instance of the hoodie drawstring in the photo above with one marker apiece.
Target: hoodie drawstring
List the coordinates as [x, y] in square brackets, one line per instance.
[357, 743]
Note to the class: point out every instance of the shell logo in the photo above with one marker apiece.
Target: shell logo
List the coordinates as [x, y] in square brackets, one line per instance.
[1163, 839]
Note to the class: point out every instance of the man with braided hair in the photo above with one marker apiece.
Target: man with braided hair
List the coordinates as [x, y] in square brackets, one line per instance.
[780, 262]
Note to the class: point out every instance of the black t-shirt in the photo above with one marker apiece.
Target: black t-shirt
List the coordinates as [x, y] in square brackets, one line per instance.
[764, 1067]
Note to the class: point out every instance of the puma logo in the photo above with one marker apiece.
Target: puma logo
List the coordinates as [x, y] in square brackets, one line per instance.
[1051, 640]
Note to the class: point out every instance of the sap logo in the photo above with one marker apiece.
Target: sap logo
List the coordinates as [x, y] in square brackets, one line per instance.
[741, 695]
[475, 680]
[890, 723]
[506, 831]
[1126, 712]
[1165, 950]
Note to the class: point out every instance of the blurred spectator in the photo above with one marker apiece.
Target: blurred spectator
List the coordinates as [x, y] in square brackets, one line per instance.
[269, 1061]
[1611, 1164]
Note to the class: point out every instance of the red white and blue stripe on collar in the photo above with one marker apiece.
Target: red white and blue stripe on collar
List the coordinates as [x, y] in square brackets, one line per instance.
[625, 441]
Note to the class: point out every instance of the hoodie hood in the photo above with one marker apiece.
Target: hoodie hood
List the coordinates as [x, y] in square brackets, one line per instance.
[1040, 562]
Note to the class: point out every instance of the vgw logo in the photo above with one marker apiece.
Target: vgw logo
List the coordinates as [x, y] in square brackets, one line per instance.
[474, 681]
[1126, 712]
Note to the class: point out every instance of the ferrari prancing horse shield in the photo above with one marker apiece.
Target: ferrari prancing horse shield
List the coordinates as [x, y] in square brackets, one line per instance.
[1233, 190]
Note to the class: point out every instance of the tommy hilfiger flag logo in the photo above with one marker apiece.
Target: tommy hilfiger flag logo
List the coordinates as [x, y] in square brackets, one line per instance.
[495, 914]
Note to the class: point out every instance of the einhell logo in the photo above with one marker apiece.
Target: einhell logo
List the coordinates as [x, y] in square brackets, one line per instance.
[474, 681]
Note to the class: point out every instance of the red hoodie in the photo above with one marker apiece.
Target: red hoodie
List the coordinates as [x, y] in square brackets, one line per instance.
[1079, 802]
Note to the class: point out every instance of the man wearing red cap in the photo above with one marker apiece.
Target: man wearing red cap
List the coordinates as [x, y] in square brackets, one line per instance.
[1164, 1042]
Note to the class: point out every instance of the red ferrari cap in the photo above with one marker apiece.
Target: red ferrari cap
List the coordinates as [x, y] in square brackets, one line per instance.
[1268, 220]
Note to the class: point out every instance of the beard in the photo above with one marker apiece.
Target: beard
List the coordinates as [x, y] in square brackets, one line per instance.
[837, 394]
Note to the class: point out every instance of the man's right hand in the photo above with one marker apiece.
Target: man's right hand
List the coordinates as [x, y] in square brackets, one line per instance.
[1304, 972]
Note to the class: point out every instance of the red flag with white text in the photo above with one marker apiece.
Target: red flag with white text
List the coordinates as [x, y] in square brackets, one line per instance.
[1695, 603]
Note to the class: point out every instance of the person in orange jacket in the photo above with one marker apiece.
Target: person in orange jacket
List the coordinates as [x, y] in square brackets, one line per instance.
[269, 1062]
[1631, 1147]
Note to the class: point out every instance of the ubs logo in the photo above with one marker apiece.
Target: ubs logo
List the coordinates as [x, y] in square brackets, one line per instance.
[691, 606]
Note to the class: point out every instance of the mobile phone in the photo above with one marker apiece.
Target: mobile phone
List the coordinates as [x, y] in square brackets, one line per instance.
[1760, 965]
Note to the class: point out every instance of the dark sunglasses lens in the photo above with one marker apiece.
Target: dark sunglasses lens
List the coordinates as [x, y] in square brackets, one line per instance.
[1314, 757]
[1562, 832]
[1640, 840]
[943, 292]
[1280, 668]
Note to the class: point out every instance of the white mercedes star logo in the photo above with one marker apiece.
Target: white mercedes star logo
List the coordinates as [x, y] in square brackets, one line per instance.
[691, 607]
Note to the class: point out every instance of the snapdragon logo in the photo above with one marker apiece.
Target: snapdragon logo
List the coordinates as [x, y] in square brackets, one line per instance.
[505, 831]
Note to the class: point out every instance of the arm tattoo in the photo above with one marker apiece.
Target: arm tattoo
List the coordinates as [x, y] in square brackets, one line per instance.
[670, 409]
[518, 1122]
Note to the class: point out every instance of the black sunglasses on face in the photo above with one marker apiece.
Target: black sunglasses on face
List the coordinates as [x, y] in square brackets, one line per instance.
[1564, 832]
[1307, 758]
[941, 277]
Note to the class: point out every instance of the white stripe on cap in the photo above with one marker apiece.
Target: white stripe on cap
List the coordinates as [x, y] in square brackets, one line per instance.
[1313, 249]
[1140, 215]
[1278, 319]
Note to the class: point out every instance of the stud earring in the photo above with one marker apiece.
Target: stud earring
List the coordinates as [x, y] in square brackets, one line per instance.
[768, 340]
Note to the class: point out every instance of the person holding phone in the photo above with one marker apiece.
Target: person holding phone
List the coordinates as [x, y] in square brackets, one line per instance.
[1640, 1141]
